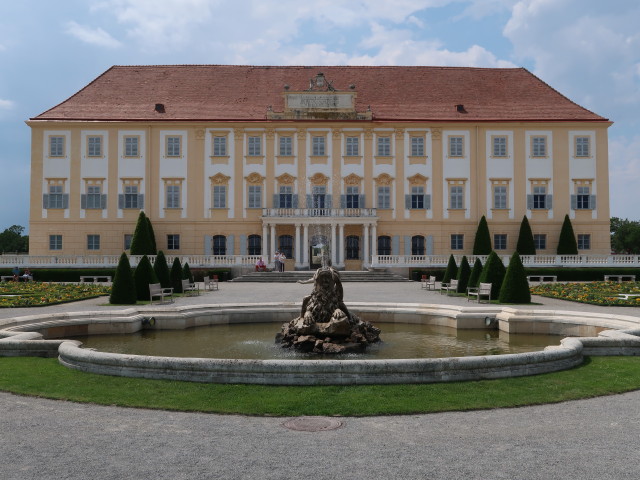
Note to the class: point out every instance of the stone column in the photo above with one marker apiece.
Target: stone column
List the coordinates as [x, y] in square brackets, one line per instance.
[374, 239]
[341, 245]
[305, 245]
[334, 245]
[297, 245]
[273, 243]
[265, 243]
[365, 248]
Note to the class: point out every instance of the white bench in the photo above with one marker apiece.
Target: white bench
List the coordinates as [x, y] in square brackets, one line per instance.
[542, 278]
[619, 278]
[95, 278]
[190, 288]
[449, 287]
[627, 296]
[211, 283]
[428, 283]
[156, 291]
[482, 290]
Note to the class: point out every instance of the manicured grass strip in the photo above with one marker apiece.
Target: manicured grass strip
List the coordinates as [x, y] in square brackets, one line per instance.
[46, 378]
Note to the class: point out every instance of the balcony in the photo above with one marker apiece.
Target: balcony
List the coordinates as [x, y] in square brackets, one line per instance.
[319, 212]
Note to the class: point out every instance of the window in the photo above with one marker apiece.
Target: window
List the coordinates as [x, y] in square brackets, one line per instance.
[173, 242]
[352, 146]
[254, 146]
[173, 146]
[540, 197]
[317, 146]
[318, 196]
[353, 248]
[499, 146]
[55, 242]
[286, 196]
[417, 146]
[539, 146]
[56, 146]
[220, 196]
[127, 240]
[417, 198]
[56, 198]
[582, 198]
[286, 146]
[417, 245]
[456, 146]
[255, 196]
[255, 245]
[499, 197]
[131, 196]
[500, 241]
[384, 146]
[384, 197]
[219, 245]
[456, 193]
[352, 198]
[285, 243]
[540, 241]
[219, 146]
[94, 146]
[584, 241]
[173, 196]
[93, 242]
[131, 146]
[384, 245]
[94, 197]
[457, 241]
[582, 146]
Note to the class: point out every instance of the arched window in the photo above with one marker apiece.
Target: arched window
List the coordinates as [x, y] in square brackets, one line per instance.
[255, 245]
[353, 247]
[286, 245]
[417, 245]
[384, 245]
[219, 245]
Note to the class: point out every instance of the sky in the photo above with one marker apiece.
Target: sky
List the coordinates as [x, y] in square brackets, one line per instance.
[589, 50]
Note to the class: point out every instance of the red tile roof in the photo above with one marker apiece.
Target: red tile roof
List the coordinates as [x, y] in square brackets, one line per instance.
[244, 93]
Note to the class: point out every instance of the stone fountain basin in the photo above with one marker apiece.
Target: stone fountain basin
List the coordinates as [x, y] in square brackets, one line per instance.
[44, 335]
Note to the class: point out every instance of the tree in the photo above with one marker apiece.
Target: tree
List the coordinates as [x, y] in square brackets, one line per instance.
[123, 290]
[141, 241]
[162, 270]
[176, 276]
[476, 271]
[143, 276]
[186, 273]
[482, 242]
[12, 240]
[451, 270]
[567, 244]
[152, 237]
[625, 236]
[526, 245]
[464, 272]
[493, 272]
[515, 288]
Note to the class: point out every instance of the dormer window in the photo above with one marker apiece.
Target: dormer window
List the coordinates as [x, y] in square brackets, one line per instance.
[320, 80]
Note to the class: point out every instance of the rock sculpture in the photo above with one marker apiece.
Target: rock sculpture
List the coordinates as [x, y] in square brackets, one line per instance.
[325, 325]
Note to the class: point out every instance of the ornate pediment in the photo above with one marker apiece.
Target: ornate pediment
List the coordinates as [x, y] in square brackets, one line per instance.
[254, 178]
[219, 179]
[319, 179]
[352, 179]
[384, 179]
[286, 179]
[417, 179]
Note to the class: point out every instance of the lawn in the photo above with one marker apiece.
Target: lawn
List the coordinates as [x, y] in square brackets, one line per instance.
[595, 293]
[38, 294]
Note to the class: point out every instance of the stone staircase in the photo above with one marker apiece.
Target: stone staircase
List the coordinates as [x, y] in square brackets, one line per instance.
[345, 276]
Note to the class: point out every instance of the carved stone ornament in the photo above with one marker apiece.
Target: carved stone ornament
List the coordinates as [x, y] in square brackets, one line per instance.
[238, 133]
[220, 179]
[271, 133]
[368, 133]
[436, 133]
[319, 179]
[254, 178]
[336, 133]
[199, 133]
[286, 179]
[302, 133]
[384, 179]
[352, 179]
[399, 132]
[417, 179]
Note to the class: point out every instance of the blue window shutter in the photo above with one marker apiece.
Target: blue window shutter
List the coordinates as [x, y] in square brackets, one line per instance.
[361, 202]
[45, 200]
[230, 244]
[407, 244]
[243, 244]
[83, 201]
[276, 200]
[294, 201]
[141, 201]
[327, 201]
[103, 201]
[208, 240]
[429, 249]
[407, 202]
[343, 201]
[309, 202]
[592, 202]
[65, 200]
[395, 245]
[427, 202]
[120, 201]
[574, 202]
[549, 202]
[530, 202]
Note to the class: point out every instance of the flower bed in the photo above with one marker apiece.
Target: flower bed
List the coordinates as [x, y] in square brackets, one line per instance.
[596, 293]
[37, 294]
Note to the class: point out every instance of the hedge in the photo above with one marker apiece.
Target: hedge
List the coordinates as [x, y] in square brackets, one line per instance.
[63, 274]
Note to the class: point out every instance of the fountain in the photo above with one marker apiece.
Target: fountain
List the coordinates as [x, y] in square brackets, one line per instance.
[325, 325]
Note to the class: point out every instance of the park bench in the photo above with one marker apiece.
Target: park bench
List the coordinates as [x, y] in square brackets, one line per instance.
[157, 291]
[482, 290]
[449, 287]
[95, 278]
[619, 278]
[211, 283]
[542, 278]
[21, 278]
[189, 288]
[627, 296]
[430, 283]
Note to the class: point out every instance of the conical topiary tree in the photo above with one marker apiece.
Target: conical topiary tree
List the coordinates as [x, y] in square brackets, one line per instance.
[141, 241]
[152, 238]
[526, 245]
[176, 276]
[515, 288]
[464, 272]
[482, 242]
[123, 290]
[143, 276]
[451, 270]
[567, 244]
[493, 272]
[476, 271]
[186, 273]
[162, 270]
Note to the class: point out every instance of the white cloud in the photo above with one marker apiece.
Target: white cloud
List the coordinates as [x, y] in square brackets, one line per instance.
[93, 36]
[6, 104]
[624, 166]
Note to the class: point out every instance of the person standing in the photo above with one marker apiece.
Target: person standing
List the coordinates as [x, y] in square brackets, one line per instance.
[276, 261]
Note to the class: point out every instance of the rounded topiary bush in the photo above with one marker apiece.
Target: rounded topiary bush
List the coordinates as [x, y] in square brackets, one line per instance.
[464, 273]
[515, 287]
[451, 271]
[162, 270]
[476, 271]
[493, 272]
[176, 276]
[143, 276]
[123, 290]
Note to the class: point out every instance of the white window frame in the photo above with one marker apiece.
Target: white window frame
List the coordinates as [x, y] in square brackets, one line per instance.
[131, 196]
[131, 146]
[500, 198]
[172, 196]
[254, 199]
[254, 146]
[456, 146]
[383, 145]
[55, 242]
[318, 146]
[456, 197]
[94, 197]
[352, 197]
[457, 241]
[584, 241]
[174, 145]
[500, 241]
[417, 146]
[384, 197]
[219, 146]
[56, 145]
[352, 146]
[285, 146]
[538, 146]
[540, 241]
[499, 147]
[219, 193]
[417, 198]
[93, 242]
[583, 146]
[173, 241]
[94, 146]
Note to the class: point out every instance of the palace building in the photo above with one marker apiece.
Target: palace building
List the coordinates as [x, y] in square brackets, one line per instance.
[357, 163]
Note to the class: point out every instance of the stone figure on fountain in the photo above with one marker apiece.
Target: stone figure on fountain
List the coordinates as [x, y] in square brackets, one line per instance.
[325, 325]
